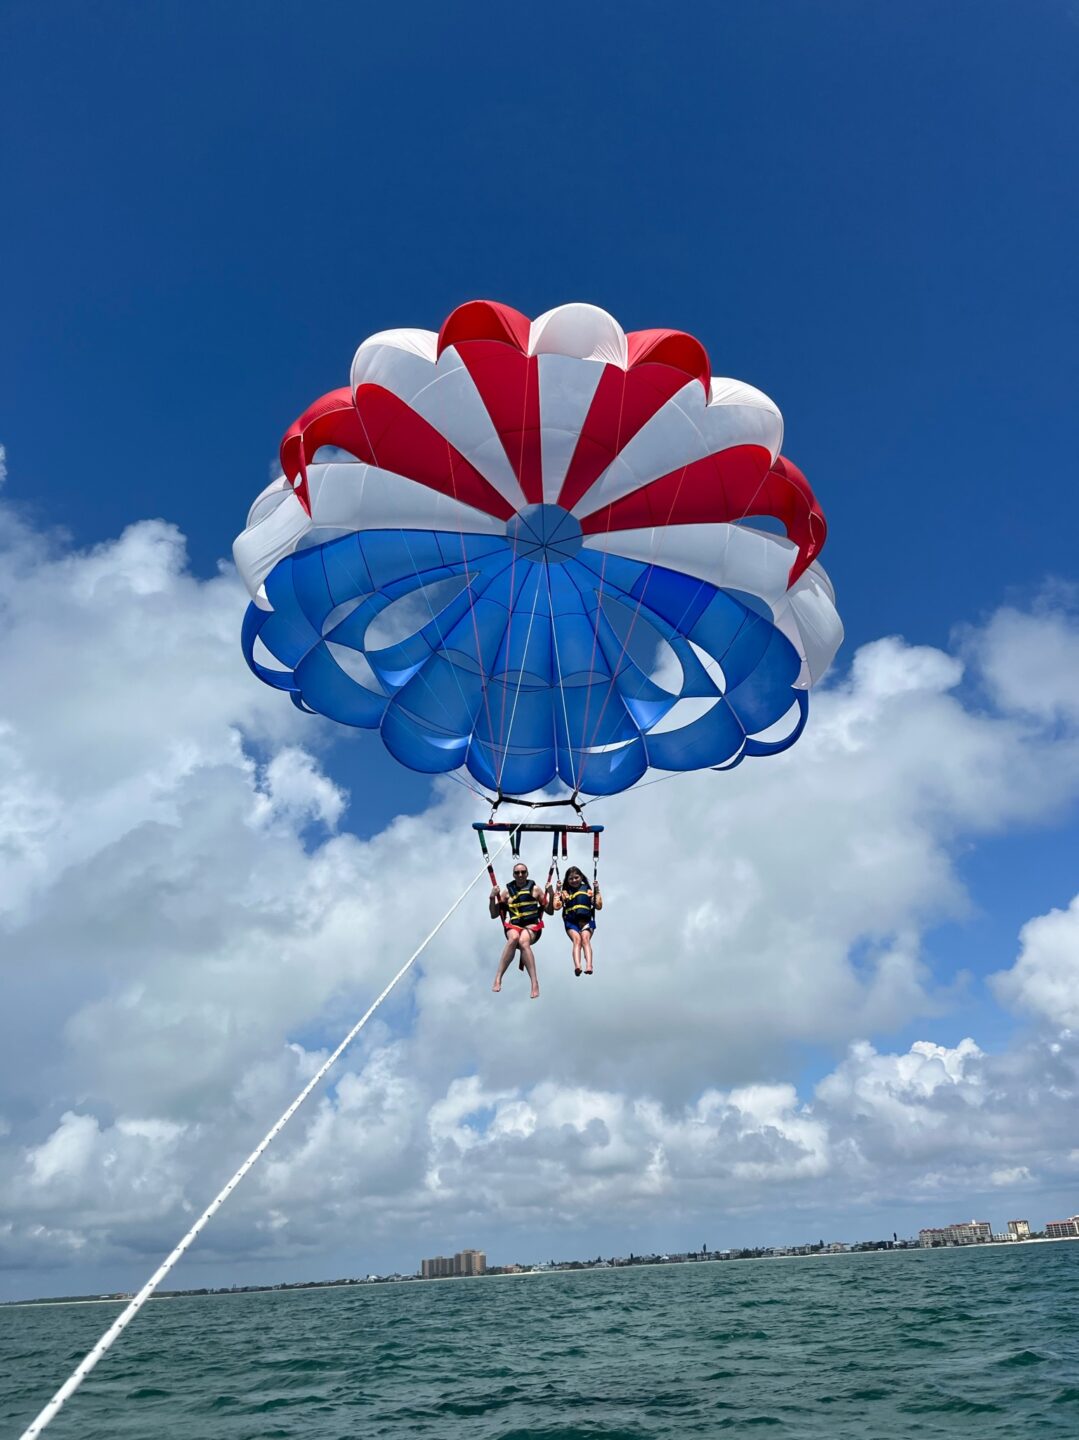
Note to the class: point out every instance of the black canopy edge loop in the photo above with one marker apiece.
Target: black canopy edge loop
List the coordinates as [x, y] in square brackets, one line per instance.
[499, 798]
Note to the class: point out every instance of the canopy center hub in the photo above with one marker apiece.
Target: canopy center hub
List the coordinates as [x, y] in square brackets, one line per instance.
[544, 533]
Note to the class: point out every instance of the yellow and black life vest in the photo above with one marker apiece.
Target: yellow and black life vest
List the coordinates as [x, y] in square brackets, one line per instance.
[577, 905]
[524, 909]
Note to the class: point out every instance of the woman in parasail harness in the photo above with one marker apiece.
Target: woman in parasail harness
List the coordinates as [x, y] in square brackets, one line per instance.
[579, 905]
[520, 907]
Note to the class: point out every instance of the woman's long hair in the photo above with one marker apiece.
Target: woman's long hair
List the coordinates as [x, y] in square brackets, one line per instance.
[580, 884]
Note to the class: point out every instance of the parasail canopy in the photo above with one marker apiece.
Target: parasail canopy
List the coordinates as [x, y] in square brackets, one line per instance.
[545, 551]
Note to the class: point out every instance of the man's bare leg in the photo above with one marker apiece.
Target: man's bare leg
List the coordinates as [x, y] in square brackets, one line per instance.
[529, 962]
[504, 960]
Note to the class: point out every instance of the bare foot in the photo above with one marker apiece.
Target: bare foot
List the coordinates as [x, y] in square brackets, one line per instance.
[497, 986]
[535, 992]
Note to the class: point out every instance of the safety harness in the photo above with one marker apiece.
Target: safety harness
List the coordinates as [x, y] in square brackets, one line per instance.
[578, 906]
[523, 910]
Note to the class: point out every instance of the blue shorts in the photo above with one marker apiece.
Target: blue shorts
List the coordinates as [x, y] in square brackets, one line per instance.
[572, 928]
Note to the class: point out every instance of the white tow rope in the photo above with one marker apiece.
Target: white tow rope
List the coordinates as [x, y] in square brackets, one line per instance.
[79, 1374]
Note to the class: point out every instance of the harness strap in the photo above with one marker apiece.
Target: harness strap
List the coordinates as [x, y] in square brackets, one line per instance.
[487, 858]
[553, 871]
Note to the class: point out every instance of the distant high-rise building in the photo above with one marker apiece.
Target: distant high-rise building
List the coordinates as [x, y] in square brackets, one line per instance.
[465, 1262]
[1019, 1229]
[437, 1268]
[965, 1232]
[469, 1262]
[1063, 1229]
[970, 1232]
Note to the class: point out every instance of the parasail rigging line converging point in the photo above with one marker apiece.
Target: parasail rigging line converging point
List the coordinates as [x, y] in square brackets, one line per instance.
[119, 1325]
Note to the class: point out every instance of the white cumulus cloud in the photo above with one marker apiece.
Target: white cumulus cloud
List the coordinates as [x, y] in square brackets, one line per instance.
[187, 926]
[1044, 981]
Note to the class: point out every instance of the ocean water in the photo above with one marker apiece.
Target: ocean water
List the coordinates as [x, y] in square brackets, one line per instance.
[975, 1343]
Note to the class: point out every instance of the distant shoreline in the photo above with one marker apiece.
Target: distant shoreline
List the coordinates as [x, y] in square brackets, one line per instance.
[301, 1286]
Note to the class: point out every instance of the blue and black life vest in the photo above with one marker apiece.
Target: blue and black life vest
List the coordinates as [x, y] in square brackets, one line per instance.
[523, 909]
[577, 907]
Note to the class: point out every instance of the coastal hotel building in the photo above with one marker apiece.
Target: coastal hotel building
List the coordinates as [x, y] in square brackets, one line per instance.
[975, 1232]
[465, 1262]
[966, 1232]
[1063, 1229]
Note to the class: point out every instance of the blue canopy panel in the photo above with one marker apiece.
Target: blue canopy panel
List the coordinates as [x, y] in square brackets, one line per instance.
[464, 651]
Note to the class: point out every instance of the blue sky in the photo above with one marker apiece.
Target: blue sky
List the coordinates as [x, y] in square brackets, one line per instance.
[868, 211]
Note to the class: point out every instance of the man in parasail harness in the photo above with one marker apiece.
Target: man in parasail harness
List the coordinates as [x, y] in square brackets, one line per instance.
[520, 907]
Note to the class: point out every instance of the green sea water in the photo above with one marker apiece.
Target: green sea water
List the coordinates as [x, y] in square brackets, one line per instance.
[981, 1343]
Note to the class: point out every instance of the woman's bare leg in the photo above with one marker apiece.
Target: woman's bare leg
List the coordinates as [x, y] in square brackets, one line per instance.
[586, 942]
[529, 961]
[575, 936]
[505, 958]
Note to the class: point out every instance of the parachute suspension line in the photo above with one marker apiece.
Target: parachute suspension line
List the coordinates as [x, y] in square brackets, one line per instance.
[467, 785]
[585, 743]
[658, 780]
[507, 636]
[624, 647]
[506, 736]
[574, 770]
[674, 774]
[712, 661]
[589, 741]
[120, 1324]
[661, 780]
[481, 668]
[434, 618]
[457, 679]
[416, 568]
[507, 640]
[640, 598]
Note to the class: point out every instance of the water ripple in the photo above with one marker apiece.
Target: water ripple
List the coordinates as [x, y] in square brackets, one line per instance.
[876, 1347]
